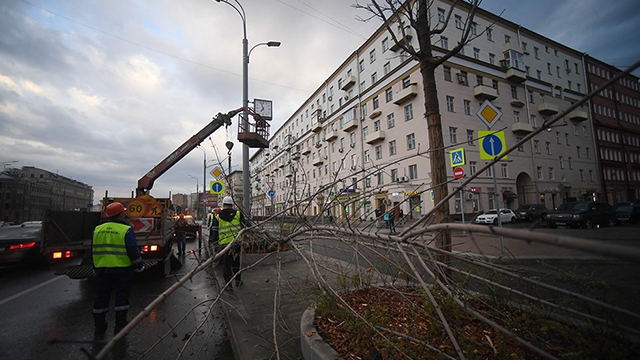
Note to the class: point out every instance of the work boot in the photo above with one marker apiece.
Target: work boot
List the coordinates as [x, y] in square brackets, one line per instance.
[121, 321]
[100, 321]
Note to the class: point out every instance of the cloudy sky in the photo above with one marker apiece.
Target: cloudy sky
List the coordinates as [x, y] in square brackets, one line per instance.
[101, 91]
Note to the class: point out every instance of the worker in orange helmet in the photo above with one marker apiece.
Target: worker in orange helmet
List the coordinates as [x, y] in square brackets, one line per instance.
[181, 235]
[115, 254]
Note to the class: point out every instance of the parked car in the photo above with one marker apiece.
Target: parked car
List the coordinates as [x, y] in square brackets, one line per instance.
[21, 243]
[585, 214]
[628, 214]
[491, 217]
[531, 212]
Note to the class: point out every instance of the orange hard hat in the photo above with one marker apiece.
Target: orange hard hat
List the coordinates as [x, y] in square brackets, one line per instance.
[113, 209]
[181, 216]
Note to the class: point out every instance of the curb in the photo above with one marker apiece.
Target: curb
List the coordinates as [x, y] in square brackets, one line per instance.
[311, 343]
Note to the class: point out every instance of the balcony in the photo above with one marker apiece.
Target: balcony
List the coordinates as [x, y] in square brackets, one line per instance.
[331, 135]
[406, 94]
[516, 75]
[306, 150]
[316, 126]
[295, 156]
[547, 109]
[375, 136]
[318, 161]
[375, 114]
[348, 82]
[288, 173]
[318, 144]
[484, 92]
[403, 39]
[578, 115]
[349, 125]
[521, 128]
[517, 103]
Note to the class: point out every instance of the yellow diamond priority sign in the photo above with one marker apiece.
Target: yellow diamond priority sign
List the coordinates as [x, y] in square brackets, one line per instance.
[488, 113]
[216, 172]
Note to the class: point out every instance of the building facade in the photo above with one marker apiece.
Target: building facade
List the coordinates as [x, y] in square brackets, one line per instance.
[360, 141]
[616, 125]
[26, 193]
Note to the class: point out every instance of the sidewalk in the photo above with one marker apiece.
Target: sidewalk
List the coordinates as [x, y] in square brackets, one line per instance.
[250, 309]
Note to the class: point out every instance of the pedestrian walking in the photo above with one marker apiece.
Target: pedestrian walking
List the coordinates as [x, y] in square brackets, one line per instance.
[229, 222]
[390, 223]
[378, 214]
[181, 234]
[115, 256]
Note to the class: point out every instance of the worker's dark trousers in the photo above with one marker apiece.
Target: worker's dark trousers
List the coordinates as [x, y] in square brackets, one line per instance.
[231, 263]
[112, 280]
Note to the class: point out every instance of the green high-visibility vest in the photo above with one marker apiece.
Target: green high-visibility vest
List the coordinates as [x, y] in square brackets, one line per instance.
[109, 249]
[227, 230]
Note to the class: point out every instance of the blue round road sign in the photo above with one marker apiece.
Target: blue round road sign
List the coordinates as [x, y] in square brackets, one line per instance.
[216, 187]
[271, 193]
[492, 145]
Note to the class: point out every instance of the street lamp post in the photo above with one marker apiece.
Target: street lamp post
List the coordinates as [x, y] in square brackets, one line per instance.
[197, 191]
[204, 183]
[246, 192]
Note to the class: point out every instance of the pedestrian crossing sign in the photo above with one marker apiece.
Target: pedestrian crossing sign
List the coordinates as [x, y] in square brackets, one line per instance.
[457, 157]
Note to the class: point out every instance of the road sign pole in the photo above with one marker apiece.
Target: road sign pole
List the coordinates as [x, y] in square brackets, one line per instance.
[462, 201]
[495, 196]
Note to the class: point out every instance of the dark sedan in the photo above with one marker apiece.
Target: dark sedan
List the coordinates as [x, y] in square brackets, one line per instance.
[628, 214]
[585, 214]
[21, 243]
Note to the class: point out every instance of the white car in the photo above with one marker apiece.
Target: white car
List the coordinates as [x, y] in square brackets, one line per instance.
[491, 217]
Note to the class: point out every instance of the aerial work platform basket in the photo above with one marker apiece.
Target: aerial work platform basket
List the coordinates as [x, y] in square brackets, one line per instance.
[254, 134]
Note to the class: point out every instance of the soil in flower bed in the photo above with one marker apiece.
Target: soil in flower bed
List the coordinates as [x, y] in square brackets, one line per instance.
[408, 311]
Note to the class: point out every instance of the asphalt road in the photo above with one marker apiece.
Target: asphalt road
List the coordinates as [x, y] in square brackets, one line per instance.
[44, 316]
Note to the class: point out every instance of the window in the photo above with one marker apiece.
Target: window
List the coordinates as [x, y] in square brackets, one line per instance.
[581, 175]
[391, 121]
[385, 44]
[361, 65]
[558, 137]
[561, 162]
[406, 82]
[378, 152]
[386, 68]
[380, 179]
[547, 147]
[524, 48]
[504, 171]
[363, 86]
[490, 34]
[392, 148]
[536, 146]
[539, 74]
[492, 59]
[394, 174]
[533, 121]
[374, 78]
[470, 138]
[516, 116]
[352, 139]
[453, 135]
[441, 15]
[507, 39]
[474, 29]
[367, 156]
[447, 73]
[462, 78]
[444, 42]
[535, 52]
[551, 175]
[521, 146]
[549, 68]
[372, 56]
[413, 172]
[473, 167]
[450, 103]
[479, 80]
[578, 151]
[489, 172]
[566, 138]
[376, 125]
[411, 141]
[539, 172]
[376, 103]
[363, 110]
[570, 163]
[586, 152]
[514, 92]
[467, 107]
[458, 20]
[408, 112]
[388, 94]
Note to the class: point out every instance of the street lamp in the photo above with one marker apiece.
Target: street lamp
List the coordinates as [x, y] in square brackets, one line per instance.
[197, 190]
[246, 204]
[204, 183]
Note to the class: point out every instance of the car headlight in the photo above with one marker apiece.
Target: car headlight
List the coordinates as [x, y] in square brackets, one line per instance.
[576, 217]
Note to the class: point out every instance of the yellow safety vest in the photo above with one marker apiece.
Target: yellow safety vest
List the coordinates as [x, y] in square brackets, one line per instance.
[227, 230]
[109, 249]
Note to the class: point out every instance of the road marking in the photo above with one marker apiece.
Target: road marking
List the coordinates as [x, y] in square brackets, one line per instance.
[30, 290]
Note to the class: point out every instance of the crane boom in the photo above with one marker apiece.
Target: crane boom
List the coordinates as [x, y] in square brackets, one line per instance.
[146, 182]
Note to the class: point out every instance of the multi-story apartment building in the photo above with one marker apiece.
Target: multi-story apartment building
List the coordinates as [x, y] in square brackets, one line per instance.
[616, 125]
[360, 141]
[26, 193]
